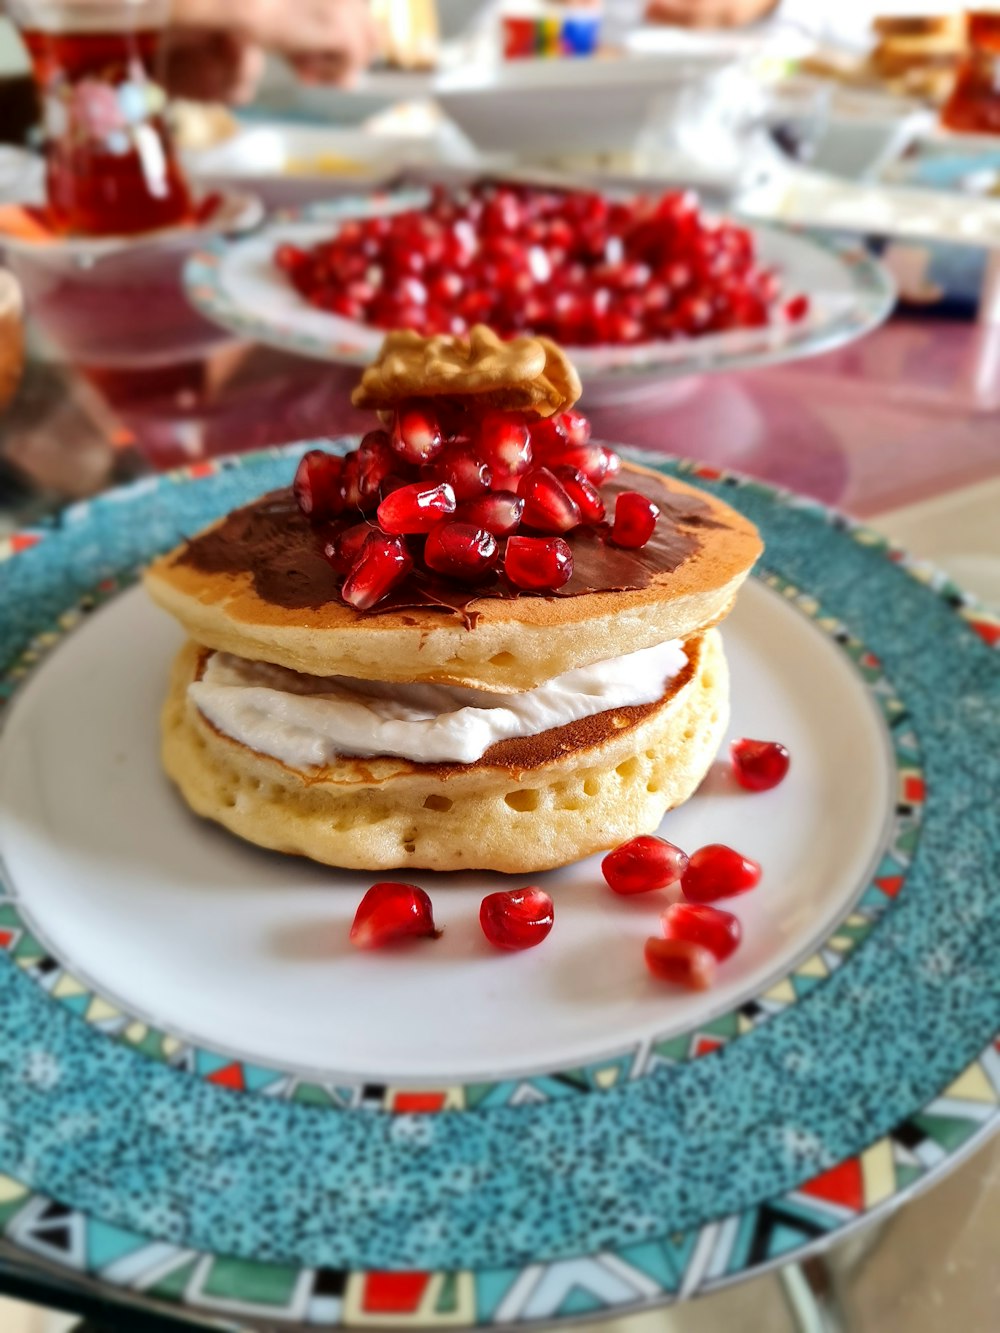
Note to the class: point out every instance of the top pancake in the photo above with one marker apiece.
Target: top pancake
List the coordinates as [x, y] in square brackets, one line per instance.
[256, 584]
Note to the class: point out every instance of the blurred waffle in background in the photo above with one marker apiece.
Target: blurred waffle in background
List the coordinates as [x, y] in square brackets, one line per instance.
[915, 56]
[918, 56]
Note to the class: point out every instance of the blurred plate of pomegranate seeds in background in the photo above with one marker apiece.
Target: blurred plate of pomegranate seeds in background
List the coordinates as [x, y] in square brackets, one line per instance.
[232, 1110]
[828, 296]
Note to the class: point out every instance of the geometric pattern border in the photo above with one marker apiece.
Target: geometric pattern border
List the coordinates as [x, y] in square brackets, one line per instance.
[686, 1264]
[818, 1211]
[33, 957]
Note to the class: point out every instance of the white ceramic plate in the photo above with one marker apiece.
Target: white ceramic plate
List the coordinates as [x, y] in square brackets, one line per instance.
[238, 285]
[122, 881]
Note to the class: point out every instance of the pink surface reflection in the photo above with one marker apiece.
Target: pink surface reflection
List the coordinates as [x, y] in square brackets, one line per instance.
[909, 412]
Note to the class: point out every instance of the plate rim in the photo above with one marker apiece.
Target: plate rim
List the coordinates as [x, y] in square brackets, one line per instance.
[985, 1065]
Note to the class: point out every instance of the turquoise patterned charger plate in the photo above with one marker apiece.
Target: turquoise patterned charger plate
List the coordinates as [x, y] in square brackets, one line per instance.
[205, 1099]
[235, 283]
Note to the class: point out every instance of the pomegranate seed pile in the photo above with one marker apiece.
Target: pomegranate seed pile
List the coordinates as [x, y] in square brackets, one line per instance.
[574, 265]
[471, 496]
[695, 936]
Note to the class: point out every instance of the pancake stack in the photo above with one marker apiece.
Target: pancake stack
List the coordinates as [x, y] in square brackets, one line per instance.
[451, 725]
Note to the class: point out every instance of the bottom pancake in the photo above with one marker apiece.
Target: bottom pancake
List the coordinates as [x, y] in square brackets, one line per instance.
[524, 807]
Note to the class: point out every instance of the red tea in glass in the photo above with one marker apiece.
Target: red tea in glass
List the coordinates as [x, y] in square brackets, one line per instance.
[974, 105]
[110, 165]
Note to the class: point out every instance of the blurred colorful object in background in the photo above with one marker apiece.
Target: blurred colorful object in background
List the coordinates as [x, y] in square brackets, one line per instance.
[546, 29]
[974, 105]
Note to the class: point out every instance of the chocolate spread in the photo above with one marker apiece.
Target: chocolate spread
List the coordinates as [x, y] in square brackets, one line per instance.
[283, 552]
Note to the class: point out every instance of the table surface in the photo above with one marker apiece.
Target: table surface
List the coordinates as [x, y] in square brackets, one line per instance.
[902, 429]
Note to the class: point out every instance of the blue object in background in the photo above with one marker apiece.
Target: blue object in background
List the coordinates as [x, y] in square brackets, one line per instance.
[580, 34]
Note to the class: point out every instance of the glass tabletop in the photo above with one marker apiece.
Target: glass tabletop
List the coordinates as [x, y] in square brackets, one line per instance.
[909, 413]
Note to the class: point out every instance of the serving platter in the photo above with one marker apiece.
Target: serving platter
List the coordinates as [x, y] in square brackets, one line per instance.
[210, 1101]
[236, 284]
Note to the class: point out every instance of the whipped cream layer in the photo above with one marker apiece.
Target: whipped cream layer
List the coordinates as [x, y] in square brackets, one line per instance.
[307, 721]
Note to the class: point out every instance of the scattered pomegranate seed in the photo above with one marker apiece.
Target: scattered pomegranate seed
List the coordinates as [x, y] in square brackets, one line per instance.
[416, 508]
[797, 309]
[464, 473]
[383, 562]
[500, 512]
[518, 919]
[635, 519]
[759, 765]
[416, 433]
[643, 864]
[391, 912]
[719, 932]
[315, 487]
[504, 443]
[547, 506]
[538, 564]
[344, 551]
[461, 551]
[717, 871]
[583, 493]
[681, 962]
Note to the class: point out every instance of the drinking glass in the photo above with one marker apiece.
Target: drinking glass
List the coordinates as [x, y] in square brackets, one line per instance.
[110, 166]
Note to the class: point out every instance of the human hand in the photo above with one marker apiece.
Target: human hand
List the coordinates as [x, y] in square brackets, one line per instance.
[212, 66]
[708, 13]
[332, 40]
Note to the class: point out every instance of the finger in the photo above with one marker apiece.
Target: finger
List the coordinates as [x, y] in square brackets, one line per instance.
[707, 13]
[248, 74]
[204, 66]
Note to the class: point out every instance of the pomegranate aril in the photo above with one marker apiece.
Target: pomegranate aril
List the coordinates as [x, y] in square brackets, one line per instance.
[643, 864]
[344, 550]
[383, 562]
[583, 493]
[389, 913]
[500, 512]
[681, 962]
[461, 551]
[518, 919]
[538, 564]
[316, 484]
[593, 460]
[416, 508]
[504, 443]
[547, 505]
[759, 765]
[719, 932]
[575, 426]
[376, 462]
[612, 463]
[464, 473]
[635, 519]
[796, 309]
[416, 433]
[717, 871]
[548, 437]
[349, 488]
